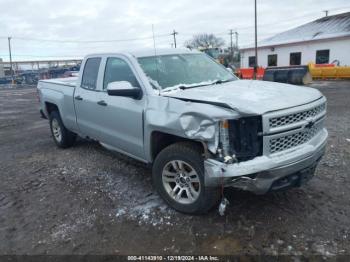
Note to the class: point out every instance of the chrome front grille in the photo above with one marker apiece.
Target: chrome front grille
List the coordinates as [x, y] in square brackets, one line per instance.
[292, 127]
[296, 117]
[289, 141]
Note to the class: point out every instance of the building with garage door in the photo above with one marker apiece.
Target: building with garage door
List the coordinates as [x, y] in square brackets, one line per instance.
[325, 40]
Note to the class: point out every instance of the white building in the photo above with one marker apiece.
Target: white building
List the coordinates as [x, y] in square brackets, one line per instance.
[322, 41]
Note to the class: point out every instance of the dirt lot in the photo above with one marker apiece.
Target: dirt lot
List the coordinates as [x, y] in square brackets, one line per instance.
[87, 200]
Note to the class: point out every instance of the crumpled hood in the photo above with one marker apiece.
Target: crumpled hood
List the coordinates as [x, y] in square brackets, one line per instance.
[250, 96]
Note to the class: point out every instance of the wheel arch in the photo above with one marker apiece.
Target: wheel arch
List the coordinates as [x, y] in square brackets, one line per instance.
[160, 140]
[50, 107]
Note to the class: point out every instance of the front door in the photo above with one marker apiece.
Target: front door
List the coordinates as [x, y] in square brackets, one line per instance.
[121, 118]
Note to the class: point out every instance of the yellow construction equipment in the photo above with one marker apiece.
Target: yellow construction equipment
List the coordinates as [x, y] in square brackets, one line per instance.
[329, 71]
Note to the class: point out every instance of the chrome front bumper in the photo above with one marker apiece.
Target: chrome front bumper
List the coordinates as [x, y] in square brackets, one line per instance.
[259, 175]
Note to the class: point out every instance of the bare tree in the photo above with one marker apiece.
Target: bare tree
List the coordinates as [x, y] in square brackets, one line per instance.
[205, 41]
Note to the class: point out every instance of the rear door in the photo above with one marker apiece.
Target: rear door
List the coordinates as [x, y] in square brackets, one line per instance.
[86, 97]
[121, 118]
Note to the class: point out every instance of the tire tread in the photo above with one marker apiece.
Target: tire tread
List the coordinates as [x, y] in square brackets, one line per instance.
[68, 137]
[193, 151]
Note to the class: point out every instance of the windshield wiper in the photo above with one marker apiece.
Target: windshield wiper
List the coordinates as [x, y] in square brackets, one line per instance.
[219, 81]
[222, 81]
[183, 87]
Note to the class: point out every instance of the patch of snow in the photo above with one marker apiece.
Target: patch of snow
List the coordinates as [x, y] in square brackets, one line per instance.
[120, 212]
[131, 191]
[151, 210]
[64, 231]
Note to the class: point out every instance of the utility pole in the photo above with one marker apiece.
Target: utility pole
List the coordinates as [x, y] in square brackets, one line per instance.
[236, 33]
[231, 44]
[256, 42]
[10, 54]
[174, 33]
[236, 45]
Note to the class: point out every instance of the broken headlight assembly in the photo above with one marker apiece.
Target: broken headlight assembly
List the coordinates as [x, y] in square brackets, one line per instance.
[240, 139]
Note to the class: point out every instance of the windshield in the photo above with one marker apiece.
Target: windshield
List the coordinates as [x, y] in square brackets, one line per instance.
[183, 71]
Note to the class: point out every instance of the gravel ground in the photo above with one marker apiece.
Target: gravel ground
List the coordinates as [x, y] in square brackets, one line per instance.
[87, 200]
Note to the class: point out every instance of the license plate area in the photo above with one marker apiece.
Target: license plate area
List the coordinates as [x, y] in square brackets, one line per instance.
[294, 180]
[305, 175]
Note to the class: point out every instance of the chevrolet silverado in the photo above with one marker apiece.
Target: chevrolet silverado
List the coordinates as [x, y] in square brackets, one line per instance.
[199, 126]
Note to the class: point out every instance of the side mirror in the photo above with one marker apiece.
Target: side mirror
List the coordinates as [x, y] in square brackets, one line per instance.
[123, 88]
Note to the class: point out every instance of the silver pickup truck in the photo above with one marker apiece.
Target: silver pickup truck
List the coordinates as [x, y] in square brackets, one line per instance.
[200, 127]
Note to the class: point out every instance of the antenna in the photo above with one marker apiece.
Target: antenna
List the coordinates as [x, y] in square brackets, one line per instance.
[154, 42]
[155, 55]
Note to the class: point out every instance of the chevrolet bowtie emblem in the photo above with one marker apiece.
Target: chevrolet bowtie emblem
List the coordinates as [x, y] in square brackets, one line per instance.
[310, 124]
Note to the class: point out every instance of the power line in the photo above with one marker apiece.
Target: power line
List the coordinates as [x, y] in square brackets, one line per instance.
[26, 55]
[164, 35]
[150, 37]
[88, 41]
[277, 23]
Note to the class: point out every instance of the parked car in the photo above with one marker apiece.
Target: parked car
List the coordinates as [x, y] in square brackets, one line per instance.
[199, 126]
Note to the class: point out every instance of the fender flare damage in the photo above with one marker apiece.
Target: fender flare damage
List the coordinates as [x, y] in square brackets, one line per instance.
[187, 119]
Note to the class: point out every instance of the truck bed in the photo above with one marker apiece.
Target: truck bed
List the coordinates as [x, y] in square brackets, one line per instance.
[59, 92]
[68, 81]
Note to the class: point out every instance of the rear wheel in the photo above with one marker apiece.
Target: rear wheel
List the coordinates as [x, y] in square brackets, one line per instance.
[61, 135]
[178, 175]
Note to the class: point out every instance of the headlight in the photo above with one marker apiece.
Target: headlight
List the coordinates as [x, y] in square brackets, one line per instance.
[224, 138]
[240, 138]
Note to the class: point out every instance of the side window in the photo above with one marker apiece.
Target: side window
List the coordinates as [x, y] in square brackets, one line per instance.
[295, 58]
[322, 56]
[251, 61]
[90, 74]
[118, 70]
[272, 60]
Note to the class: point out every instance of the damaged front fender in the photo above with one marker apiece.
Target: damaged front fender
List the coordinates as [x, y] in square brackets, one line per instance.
[187, 119]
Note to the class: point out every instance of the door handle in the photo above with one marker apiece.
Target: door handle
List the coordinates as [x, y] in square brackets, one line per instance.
[102, 103]
[78, 98]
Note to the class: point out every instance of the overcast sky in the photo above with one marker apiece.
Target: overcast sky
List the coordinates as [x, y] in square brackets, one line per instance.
[32, 21]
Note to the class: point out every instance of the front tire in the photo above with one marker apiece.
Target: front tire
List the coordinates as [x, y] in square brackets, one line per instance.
[61, 135]
[178, 176]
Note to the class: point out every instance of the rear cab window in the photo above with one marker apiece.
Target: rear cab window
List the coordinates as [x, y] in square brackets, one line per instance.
[90, 74]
